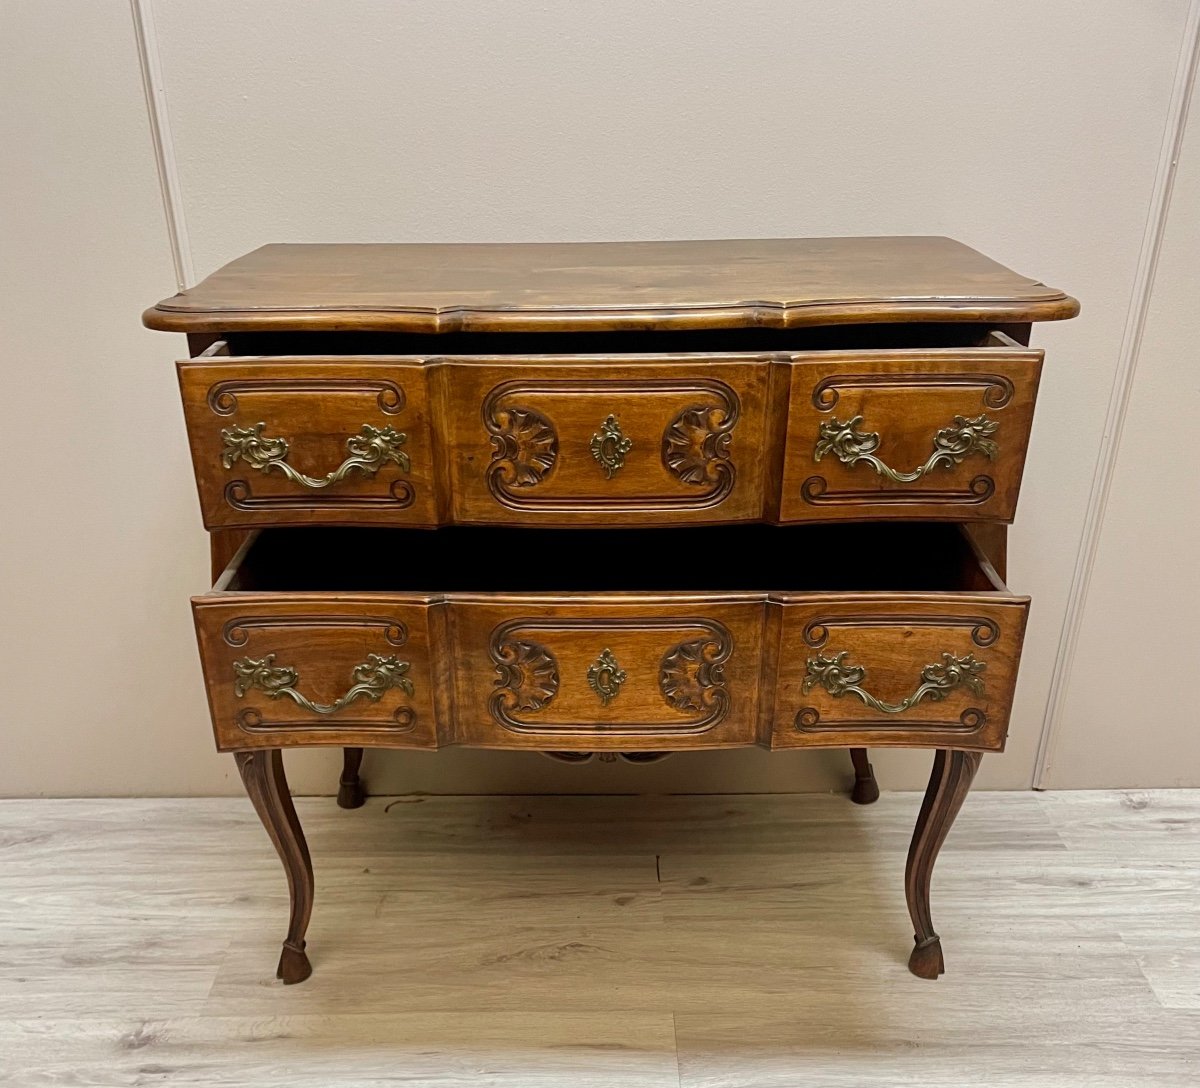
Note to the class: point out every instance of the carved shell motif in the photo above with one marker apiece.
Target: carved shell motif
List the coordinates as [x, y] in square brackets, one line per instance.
[691, 676]
[696, 446]
[524, 447]
[527, 676]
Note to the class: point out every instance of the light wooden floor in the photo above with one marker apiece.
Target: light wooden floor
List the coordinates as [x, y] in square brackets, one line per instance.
[696, 941]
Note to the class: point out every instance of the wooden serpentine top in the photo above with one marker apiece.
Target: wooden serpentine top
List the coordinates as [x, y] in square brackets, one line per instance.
[581, 286]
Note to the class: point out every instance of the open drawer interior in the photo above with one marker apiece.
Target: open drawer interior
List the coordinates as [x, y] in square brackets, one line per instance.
[903, 557]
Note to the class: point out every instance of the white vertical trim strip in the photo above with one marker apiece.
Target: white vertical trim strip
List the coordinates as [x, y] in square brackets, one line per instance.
[1118, 404]
[164, 146]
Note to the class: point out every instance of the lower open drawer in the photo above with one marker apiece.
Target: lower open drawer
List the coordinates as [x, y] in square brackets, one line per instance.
[806, 636]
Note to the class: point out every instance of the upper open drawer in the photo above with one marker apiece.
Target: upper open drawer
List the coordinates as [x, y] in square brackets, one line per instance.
[611, 440]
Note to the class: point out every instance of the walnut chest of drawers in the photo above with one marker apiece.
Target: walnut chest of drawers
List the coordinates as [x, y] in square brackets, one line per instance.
[625, 497]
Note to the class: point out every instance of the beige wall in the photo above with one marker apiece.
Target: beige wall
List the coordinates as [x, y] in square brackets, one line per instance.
[1025, 130]
[1130, 714]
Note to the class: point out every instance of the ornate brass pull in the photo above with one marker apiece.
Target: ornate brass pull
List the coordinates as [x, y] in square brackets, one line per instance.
[605, 677]
[937, 681]
[369, 451]
[371, 679]
[950, 446]
[609, 446]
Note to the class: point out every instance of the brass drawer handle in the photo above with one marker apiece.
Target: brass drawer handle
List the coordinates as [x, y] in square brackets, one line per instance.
[369, 450]
[605, 677]
[372, 678]
[951, 445]
[937, 681]
[609, 446]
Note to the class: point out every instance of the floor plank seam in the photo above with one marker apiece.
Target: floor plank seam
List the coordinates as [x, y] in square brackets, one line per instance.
[675, 1038]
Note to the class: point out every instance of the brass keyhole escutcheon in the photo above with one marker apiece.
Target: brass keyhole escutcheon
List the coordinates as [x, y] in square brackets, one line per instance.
[609, 446]
[605, 677]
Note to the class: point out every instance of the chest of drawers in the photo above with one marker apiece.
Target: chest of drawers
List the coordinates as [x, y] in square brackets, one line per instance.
[622, 497]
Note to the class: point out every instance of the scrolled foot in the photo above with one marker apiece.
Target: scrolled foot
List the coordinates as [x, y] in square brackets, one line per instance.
[293, 965]
[926, 959]
[866, 789]
[351, 794]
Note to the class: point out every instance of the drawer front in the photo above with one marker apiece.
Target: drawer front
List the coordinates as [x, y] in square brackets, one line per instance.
[562, 443]
[329, 441]
[595, 676]
[908, 434]
[876, 670]
[349, 670]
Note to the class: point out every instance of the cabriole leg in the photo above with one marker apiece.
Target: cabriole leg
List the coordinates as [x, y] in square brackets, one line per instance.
[948, 785]
[866, 789]
[262, 774]
[351, 792]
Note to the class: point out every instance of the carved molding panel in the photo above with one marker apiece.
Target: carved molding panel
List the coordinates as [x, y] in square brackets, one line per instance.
[996, 389]
[370, 680]
[984, 631]
[965, 437]
[223, 396]
[368, 452]
[833, 671]
[527, 447]
[816, 490]
[528, 689]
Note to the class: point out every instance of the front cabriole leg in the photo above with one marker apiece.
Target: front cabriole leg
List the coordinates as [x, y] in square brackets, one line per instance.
[949, 782]
[262, 774]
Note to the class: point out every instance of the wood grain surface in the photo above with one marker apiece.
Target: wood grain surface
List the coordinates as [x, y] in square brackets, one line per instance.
[779, 282]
